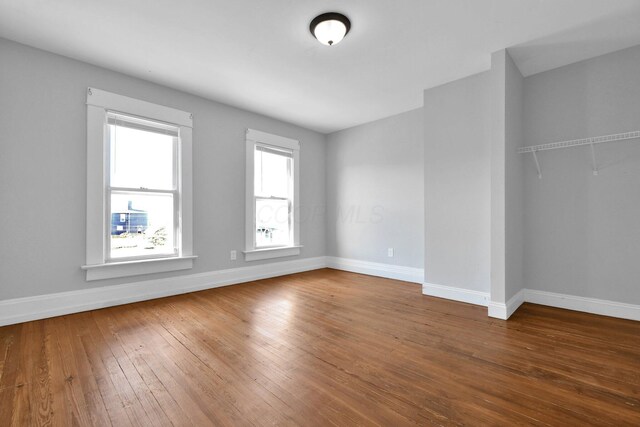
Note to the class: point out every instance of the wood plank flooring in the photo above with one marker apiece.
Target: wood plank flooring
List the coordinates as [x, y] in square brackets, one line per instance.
[319, 348]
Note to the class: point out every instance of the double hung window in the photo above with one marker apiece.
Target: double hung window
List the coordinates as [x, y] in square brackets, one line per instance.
[142, 191]
[272, 195]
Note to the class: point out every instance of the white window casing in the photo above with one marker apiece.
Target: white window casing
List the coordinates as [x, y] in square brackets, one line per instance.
[276, 145]
[101, 104]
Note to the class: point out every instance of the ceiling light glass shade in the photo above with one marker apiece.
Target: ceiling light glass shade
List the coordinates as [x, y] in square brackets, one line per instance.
[330, 32]
[330, 28]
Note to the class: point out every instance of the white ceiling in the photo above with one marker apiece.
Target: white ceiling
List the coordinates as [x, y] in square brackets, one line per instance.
[259, 54]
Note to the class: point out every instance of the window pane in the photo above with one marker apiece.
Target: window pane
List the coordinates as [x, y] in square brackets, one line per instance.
[141, 224]
[272, 174]
[272, 223]
[141, 158]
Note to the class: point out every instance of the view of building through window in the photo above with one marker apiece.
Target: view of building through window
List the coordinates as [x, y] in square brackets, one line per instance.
[141, 224]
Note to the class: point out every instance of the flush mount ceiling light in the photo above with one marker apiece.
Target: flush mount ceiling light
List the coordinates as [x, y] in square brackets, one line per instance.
[330, 28]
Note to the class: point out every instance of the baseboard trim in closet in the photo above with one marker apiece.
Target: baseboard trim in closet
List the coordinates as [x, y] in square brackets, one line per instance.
[588, 305]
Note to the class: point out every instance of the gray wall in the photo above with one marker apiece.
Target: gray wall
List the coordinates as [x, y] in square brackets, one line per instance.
[583, 231]
[507, 199]
[497, 120]
[457, 138]
[375, 191]
[514, 180]
[43, 172]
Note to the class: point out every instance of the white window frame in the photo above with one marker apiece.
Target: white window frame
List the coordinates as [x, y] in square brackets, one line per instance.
[99, 104]
[251, 253]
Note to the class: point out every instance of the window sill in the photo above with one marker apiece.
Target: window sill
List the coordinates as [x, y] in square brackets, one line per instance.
[267, 253]
[135, 268]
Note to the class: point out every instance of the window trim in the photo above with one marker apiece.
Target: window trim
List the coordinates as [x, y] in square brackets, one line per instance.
[99, 104]
[251, 252]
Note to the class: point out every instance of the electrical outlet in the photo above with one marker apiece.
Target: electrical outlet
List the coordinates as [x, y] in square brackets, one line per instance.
[390, 252]
[234, 255]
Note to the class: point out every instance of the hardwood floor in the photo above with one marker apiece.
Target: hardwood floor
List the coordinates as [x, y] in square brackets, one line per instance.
[319, 348]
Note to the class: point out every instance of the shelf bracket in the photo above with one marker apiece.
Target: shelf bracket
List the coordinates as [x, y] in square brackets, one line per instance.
[594, 164]
[535, 157]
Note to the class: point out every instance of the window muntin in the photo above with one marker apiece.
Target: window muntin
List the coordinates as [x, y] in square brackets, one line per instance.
[273, 196]
[142, 189]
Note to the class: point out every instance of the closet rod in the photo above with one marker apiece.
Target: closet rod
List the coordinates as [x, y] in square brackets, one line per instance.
[583, 141]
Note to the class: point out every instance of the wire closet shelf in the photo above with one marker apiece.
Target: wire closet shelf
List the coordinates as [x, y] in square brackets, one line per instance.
[583, 141]
[575, 143]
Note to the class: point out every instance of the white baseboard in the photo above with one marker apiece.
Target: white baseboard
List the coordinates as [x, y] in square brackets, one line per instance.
[568, 302]
[504, 311]
[587, 305]
[456, 294]
[42, 306]
[407, 274]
